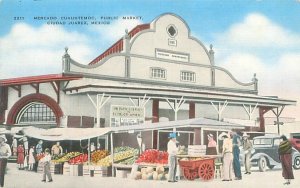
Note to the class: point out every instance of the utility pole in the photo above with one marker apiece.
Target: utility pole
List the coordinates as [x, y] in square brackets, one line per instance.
[277, 122]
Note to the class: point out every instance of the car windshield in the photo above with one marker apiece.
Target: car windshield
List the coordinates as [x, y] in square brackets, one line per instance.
[262, 141]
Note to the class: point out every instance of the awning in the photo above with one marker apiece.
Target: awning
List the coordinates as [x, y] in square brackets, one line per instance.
[58, 134]
[197, 122]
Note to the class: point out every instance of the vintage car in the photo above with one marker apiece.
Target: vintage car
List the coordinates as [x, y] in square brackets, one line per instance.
[265, 153]
[296, 143]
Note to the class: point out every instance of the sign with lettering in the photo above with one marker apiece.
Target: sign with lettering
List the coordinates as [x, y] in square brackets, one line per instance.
[172, 55]
[126, 115]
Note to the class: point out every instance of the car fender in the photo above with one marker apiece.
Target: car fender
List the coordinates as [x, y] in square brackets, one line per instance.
[257, 156]
[295, 153]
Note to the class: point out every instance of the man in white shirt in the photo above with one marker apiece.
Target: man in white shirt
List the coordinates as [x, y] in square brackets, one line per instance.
[172, 151]
[5, 152]
[46, 163]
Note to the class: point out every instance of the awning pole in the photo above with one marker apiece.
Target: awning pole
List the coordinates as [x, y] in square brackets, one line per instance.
[89, 152]
[112, 153]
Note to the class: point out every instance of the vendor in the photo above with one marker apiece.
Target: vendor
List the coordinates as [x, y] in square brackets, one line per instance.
[211, 146]
[39, 147]
[56, 149]
[92, 148]
[172, 159]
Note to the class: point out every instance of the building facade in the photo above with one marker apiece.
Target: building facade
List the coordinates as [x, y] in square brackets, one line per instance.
[159, 67]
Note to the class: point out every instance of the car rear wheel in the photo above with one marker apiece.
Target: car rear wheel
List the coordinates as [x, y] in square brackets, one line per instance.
[262, 164]
[297, 162]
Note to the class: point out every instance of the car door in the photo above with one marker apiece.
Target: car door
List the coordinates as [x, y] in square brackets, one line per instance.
[274, 151]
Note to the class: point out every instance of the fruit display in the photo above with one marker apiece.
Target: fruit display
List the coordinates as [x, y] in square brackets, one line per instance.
[121, 155]
[98, 155]
[151, 173]
[39, 156]
[122, 148]
[66, 157]
[82, 158]
[153, 156]
[55, 157]
[129, 161]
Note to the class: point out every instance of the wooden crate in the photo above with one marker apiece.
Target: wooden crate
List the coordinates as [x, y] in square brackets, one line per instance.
[40, 168]
[86, 170]
[121, 173]
[66, 169]
[73, 170]
[100, 171]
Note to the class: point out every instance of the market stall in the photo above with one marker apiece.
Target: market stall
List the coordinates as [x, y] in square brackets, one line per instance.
[72, 163]
[192, 166]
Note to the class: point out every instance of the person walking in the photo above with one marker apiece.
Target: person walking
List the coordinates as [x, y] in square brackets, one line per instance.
[14, 146]
[227, 156]
[5, 152]
[25, 142]
[236, 142]
[21, 157]
[172, 159]
[285, 156]
[247, 147]
[31, 158]
[46, 164]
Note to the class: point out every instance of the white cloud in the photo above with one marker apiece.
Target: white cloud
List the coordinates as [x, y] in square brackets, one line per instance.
[256, 30]
[243, 66]
[277, 72]
[27, 50]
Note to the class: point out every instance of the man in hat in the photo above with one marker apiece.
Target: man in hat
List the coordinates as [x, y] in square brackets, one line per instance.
[236, 143]
[5, 152]
[172, 159]
[247, 147]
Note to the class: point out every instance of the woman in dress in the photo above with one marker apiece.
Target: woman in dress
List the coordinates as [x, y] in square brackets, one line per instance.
[31, 160]
[285, 155]
[20, 159]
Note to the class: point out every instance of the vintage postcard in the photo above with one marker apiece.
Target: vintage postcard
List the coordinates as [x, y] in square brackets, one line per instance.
[149, 93]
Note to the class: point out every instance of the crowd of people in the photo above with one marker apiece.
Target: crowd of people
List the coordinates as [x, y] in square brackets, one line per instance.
[230, 155]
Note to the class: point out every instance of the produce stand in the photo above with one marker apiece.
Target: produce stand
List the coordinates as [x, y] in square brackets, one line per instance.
[122, 170]
[202, 167]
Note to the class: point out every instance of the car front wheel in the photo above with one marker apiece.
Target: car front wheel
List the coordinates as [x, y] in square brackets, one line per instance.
[297, 162]
[262, 164]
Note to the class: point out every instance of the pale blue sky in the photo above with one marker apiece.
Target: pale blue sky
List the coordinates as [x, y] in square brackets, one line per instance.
[249, 36]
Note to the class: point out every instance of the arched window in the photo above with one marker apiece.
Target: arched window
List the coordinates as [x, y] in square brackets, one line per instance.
[36, 113]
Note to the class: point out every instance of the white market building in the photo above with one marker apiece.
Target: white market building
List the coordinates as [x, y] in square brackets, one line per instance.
[157, 66]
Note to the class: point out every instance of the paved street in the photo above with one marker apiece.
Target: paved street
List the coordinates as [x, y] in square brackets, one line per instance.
[24, 179]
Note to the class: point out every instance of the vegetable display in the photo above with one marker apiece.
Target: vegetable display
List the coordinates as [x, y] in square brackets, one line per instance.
[153, 156]
[82, 158]
[150, 173]
[66, 157]
[39, 156]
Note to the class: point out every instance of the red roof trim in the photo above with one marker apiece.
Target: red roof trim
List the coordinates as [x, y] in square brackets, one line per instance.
[118, 46]
[37, 79]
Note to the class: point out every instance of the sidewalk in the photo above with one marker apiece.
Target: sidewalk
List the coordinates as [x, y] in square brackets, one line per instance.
[25, 179]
